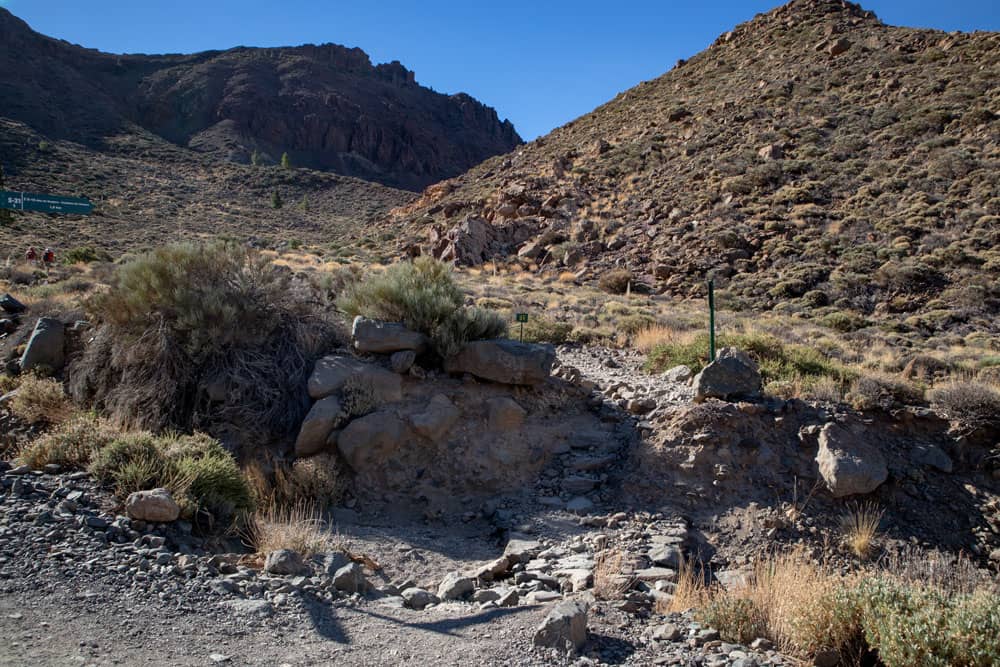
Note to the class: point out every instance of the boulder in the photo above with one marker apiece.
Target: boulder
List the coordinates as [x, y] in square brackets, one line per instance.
[401, 362]
[331, 373]
[285, 562]
[371, 440]
[437, 419]
[733, 374]
[564, 628]
[46, 346]
[521, 551]
[324, 416]
[505, 361]
[847, 463]
[418, 598]
[678, 374]
[156, 506]
[385, 337]
[350, 579]
[931, 456]
[11, 305]
[455, 586]
[504, 414]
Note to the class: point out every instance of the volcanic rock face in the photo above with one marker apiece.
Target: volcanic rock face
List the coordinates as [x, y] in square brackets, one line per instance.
[327, 106]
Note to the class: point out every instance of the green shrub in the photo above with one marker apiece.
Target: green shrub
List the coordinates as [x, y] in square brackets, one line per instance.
[630, 325]
[617, 281]
[41, 400]
[541, 329]
[71, 445]
[467, 324]
[183, 318]
[358, 396]
[844, 322]
[777, 362]
[738, 620]
[85, 255]
[421, 294]
[198, 471]
[911, 625]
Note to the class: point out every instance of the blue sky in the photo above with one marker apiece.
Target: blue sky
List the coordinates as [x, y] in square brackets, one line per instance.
[539, 63]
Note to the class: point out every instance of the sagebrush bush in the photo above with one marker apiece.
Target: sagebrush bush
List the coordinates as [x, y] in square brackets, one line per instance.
[909, 624]
[421, 294]
[358, 396]
[198, 471]
[971, 403]
[185, 324]
[41, 400]
[466, 324]
[542, 329]
[878, 391]
[71, 445]
[617, 281]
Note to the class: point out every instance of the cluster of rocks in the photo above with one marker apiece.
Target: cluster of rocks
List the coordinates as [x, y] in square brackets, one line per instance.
[47, 347]
[392, 405]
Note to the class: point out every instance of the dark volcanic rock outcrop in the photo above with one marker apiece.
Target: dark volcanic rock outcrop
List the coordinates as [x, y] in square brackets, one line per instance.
[327, 106]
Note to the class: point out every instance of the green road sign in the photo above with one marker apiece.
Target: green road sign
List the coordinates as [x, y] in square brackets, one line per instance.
[30, 201]
[522, 317]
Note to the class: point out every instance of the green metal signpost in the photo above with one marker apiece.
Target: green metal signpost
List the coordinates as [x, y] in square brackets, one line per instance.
[711, 320]
[521, 319]
[30, 201]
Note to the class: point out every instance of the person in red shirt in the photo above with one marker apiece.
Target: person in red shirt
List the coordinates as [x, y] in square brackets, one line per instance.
[49, 257]
[31, 256]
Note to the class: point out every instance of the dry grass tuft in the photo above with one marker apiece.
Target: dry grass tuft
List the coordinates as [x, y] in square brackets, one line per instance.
[41, 400]
[860, 527]
[299, 527]
[654, 336]
[692, 591]
[71, 445]
[612, 575]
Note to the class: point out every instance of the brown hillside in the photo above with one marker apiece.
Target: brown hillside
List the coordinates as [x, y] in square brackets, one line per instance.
[813, 160]
[148, 192]
[327, 106]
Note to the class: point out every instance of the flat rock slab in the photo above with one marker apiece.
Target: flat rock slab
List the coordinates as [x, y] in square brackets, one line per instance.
[504, 361]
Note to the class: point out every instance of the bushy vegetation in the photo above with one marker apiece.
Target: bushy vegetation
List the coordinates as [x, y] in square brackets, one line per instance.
[905, 616]
[777, 361]
[617, 281]
[422, 294]
[85, 255]
[210, 337]
[200, 474]
[871, 391]
[71, 445]
[973, 404]
[41, 400]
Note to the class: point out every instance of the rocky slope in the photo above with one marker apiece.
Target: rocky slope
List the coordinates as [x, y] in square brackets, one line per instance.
[813, 158]
[327, 106]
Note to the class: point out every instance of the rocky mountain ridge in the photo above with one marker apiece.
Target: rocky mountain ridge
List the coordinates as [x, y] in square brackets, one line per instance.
[813, 160]
[327, 106]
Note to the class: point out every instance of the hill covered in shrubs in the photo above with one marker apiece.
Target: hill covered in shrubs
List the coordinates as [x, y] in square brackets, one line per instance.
[813, 160]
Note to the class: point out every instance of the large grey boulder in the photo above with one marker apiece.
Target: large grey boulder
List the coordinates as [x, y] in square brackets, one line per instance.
[455, 586]
[46, 346]
[371, 440]
[324, 416]
[332, 372]
[156, 506]
[385, 337]
[350, 579]
[418, 598]
[285, 562]
[564, 628]
[847, 462]
[437, 419]
[733, 374]
[505, 361]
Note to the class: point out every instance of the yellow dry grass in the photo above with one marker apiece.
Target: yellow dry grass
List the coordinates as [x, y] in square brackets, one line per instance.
[612, 574]
[860, 527]
[299, 527]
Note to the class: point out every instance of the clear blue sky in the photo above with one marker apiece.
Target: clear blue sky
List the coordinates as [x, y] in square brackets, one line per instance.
[539, 63]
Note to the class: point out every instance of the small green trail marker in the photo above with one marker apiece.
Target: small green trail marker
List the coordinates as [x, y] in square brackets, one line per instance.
[711, 321]
[31, 201]
[521, 318]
